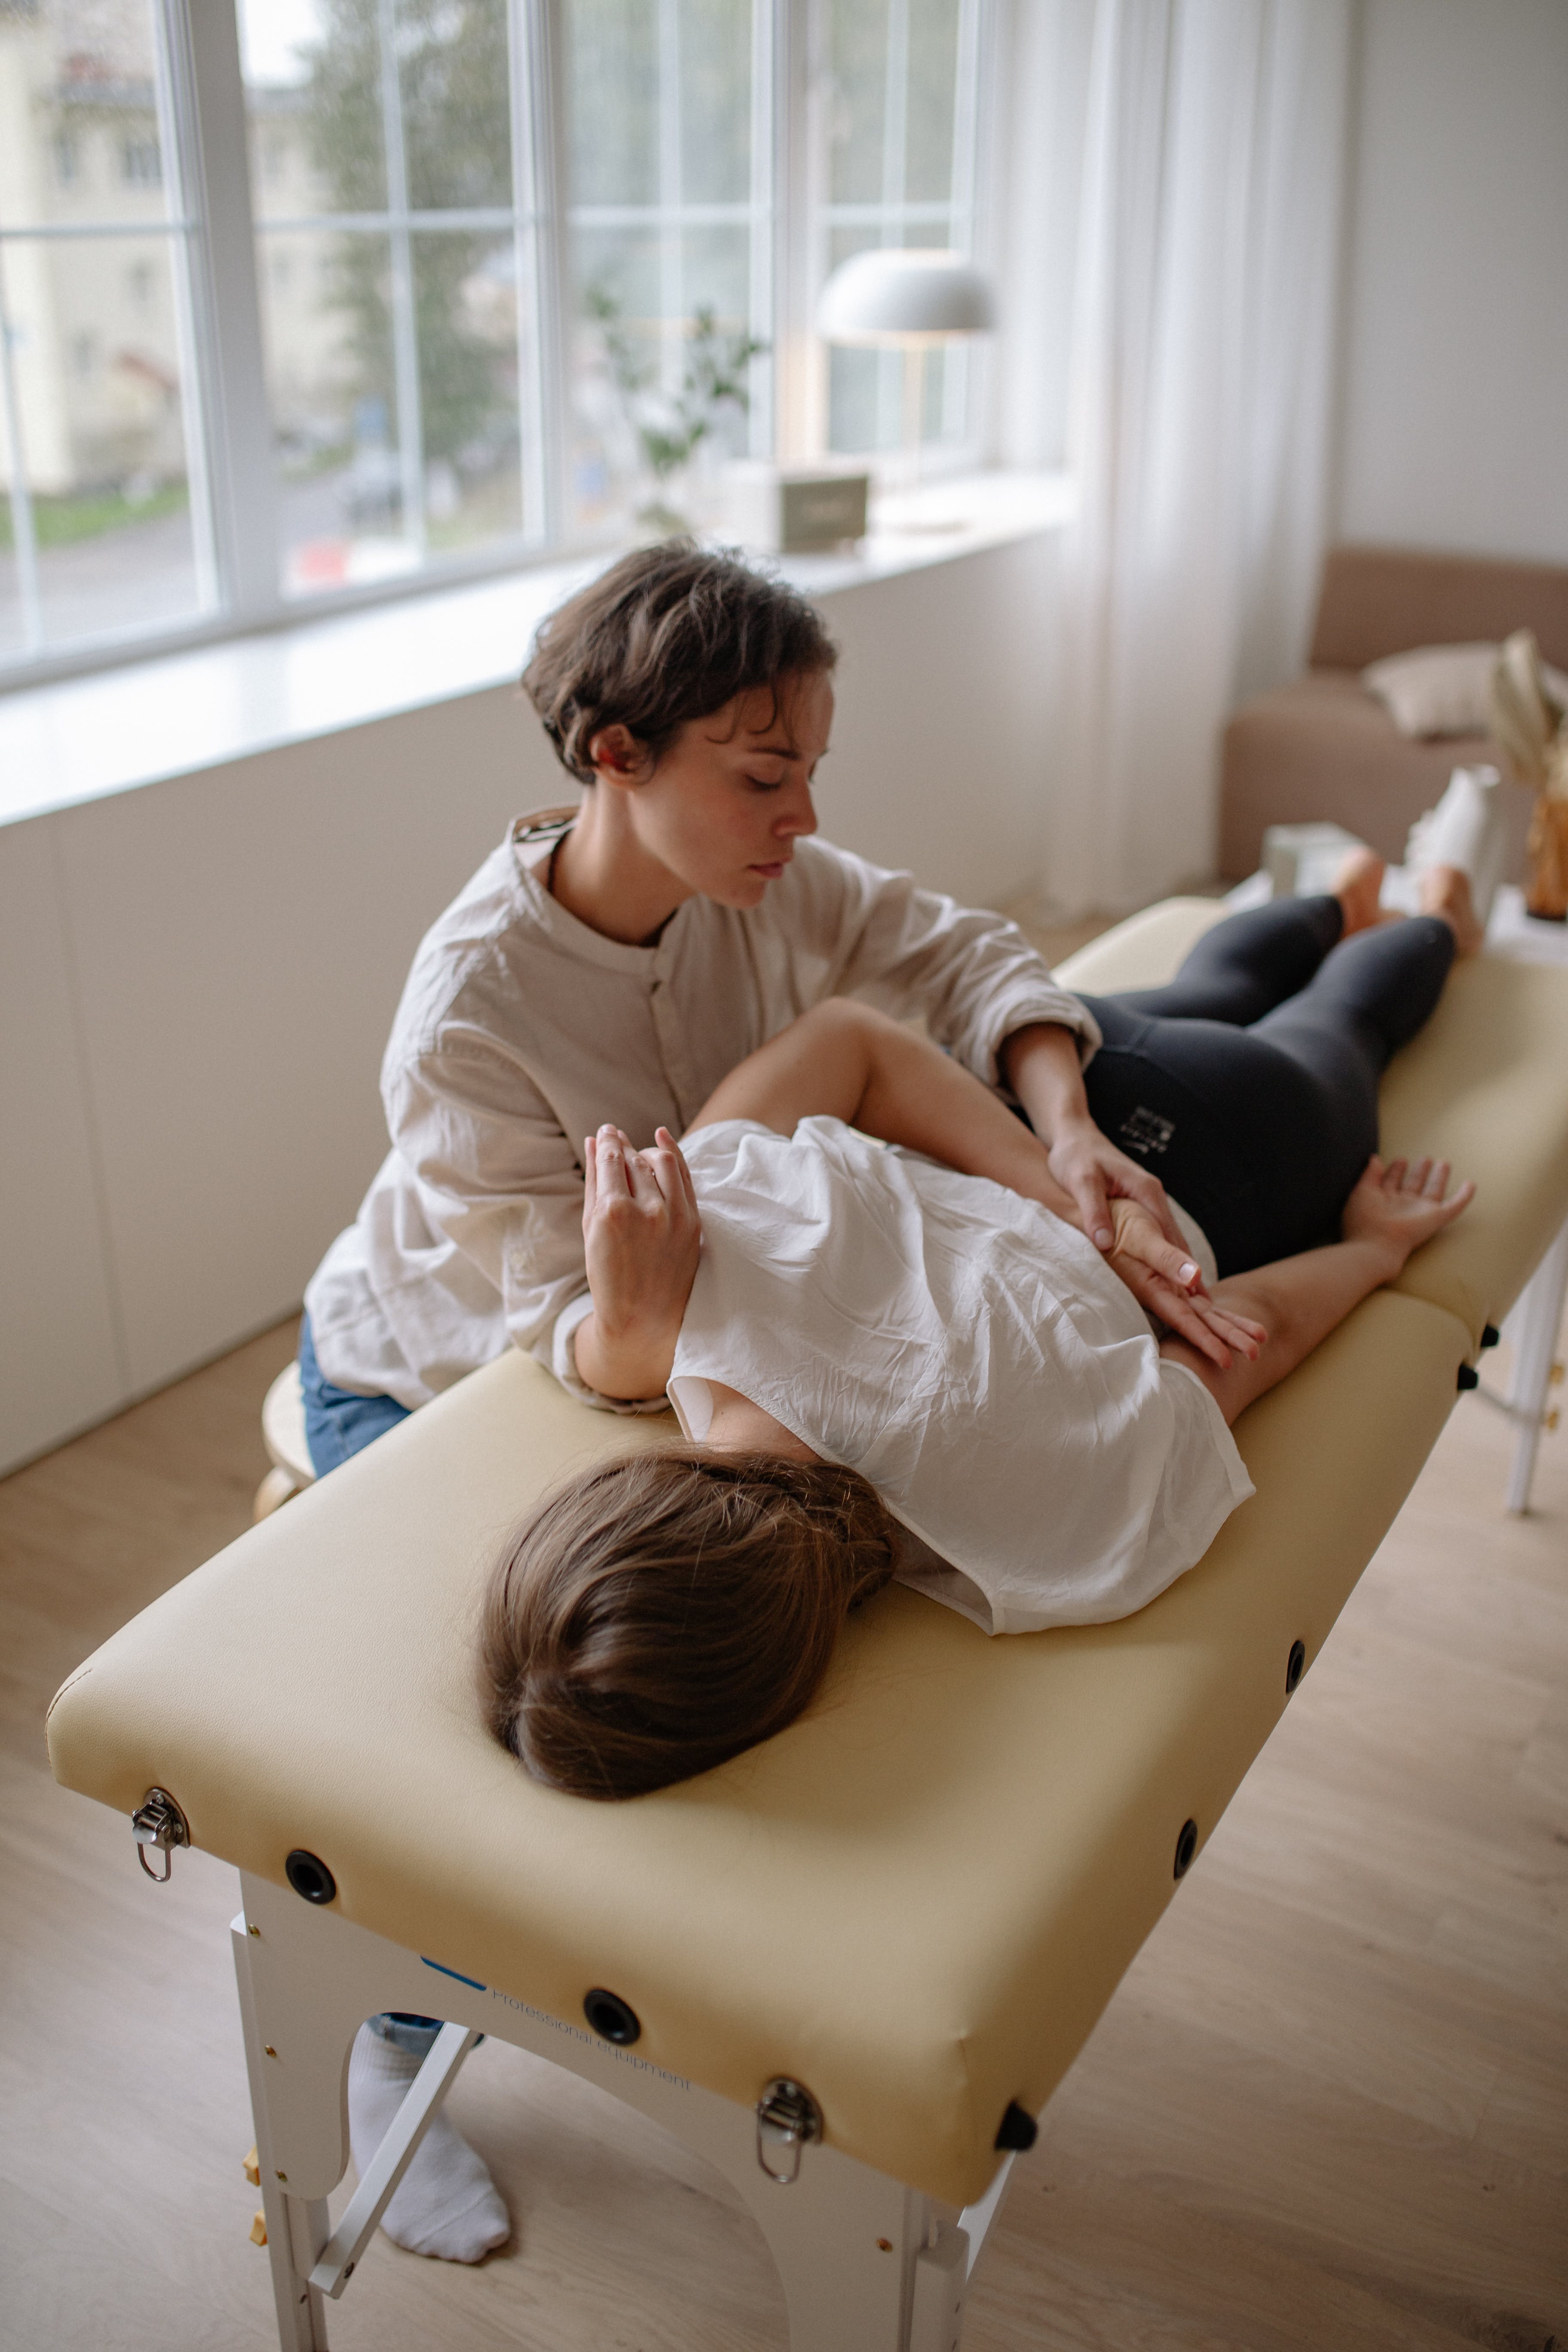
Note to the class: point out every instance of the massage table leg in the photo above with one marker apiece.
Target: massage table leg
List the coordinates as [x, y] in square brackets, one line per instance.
[867, 2263]
[1532, 1327]
[297, 2227]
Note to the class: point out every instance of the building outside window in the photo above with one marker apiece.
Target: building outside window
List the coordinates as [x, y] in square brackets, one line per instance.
[100, 531]
[497, 244]
[139, 162]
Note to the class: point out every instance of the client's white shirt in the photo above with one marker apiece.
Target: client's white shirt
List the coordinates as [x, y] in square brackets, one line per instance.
[968, 1352]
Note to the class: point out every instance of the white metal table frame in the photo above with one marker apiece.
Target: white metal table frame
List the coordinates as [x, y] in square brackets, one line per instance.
[867, 2264]
[1532, 1331]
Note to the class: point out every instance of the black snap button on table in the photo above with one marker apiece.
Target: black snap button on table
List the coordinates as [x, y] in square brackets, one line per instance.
[610, 2016]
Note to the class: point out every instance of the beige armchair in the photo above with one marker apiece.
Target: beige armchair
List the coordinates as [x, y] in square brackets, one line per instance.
[1324, 748]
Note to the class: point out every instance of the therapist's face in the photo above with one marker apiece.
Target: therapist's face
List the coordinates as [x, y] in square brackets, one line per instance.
[724, 808]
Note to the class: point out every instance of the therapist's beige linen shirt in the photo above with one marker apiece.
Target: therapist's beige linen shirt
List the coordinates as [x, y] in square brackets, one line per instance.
[521, 1030]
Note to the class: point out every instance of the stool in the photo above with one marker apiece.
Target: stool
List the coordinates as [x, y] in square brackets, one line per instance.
[283, 1434]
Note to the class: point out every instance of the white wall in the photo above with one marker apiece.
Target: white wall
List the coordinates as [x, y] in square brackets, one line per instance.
[1455, 413]
[197, 978]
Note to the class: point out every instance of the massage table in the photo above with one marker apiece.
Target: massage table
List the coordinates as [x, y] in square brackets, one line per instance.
[850, 1967]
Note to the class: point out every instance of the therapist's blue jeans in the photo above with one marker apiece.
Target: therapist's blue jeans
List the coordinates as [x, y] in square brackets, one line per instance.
[338, 1423]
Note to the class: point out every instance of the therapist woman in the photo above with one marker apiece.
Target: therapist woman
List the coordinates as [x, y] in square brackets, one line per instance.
[612, 962]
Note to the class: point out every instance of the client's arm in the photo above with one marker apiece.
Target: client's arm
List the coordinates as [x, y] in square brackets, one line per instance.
[1300, 1300]
[843, 1061]
[642, 1233]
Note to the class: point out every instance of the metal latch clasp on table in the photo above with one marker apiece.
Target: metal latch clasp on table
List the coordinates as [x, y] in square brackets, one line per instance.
[787, 2119]
[158, 1822]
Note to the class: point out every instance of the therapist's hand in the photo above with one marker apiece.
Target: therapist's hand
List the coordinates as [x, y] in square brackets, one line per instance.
[1086, 1164]
[642, 1236]
[1167, 1282]
[1041, 1064]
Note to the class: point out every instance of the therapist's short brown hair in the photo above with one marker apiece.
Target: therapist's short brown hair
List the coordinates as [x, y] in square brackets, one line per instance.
[664, 1611]
[667, 634]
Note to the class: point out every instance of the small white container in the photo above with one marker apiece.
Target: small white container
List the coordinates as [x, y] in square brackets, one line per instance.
[1301, 860]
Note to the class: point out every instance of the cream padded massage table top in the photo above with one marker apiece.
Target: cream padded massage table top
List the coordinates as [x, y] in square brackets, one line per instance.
[918, 1900]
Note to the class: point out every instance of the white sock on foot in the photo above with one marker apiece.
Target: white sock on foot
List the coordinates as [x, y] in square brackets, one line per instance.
[447, 2204]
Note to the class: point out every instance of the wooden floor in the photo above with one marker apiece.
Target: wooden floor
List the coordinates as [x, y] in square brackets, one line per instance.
[1328, 2109]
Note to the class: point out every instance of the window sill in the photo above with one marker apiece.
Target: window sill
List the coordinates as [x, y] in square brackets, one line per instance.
[86, 738]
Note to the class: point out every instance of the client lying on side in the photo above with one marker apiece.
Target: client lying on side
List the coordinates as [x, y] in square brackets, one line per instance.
[910, 1362]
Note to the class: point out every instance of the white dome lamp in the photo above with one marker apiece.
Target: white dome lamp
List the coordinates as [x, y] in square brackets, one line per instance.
[910, 297]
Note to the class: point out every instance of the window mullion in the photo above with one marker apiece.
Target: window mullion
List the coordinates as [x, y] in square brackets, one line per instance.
[958, 360]
[539, 208]
[993, 35]
[766, 323]
[23, 532]
[895, 368]
[965, 115]
[800, 369]
[171, 79]
[672, 179]
[209, 93]
[404, 336]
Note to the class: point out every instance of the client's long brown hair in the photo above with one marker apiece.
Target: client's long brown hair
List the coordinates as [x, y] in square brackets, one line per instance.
[666, 1610]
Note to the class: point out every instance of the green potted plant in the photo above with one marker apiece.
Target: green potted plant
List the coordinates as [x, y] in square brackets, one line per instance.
[669, 428]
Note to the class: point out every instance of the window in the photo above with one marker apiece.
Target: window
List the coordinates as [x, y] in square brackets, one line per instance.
[515, 275]
[670, 195]
[104, 528]
[402, 366]
[903, 77]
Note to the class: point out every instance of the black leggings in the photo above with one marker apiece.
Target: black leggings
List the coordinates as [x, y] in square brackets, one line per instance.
[1248, 1086]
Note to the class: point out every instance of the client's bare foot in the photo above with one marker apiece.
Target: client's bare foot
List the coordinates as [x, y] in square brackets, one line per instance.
[1356, 887]
[1445, 890]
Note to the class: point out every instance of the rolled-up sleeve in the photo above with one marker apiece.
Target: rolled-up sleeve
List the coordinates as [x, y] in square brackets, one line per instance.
[970, 972]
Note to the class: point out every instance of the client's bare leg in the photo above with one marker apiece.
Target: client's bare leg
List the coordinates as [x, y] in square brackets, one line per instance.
[1445, 891]
[1356, 887]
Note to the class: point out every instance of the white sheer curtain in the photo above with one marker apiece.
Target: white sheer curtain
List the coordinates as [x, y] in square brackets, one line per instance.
[1200, 412]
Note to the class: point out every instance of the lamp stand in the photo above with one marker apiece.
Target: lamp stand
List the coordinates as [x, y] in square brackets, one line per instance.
[914, 403]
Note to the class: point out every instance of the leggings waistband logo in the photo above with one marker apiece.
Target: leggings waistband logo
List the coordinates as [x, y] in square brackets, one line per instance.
[1146, 1131]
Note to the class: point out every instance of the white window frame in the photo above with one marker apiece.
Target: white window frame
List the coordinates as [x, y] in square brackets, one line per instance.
[213, 240]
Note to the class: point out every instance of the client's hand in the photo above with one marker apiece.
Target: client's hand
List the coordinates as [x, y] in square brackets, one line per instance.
[1399, 1206]
[1086, 1164]
[641, 1234]
[1167, 1284]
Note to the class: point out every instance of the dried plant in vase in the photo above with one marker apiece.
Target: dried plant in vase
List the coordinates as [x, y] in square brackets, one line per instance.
[1531, 725]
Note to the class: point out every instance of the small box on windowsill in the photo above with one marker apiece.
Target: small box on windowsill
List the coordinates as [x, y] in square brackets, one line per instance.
[795, 509]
